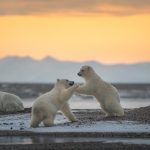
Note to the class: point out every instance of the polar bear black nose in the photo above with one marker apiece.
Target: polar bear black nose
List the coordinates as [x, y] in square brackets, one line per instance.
[79, 74]
[71, 83]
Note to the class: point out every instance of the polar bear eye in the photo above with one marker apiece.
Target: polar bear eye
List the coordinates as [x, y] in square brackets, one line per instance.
[82, 70]
[67, 80]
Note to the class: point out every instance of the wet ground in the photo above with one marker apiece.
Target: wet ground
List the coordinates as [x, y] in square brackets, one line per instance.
[45, 140]
[9, 140]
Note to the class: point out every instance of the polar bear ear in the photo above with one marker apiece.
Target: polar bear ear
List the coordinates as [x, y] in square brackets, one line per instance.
[88, 68]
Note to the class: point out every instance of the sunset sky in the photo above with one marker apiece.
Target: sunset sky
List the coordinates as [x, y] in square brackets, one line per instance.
[108, 31]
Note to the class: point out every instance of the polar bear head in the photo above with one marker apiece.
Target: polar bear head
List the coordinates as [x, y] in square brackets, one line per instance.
[85, 71]
[64, 83]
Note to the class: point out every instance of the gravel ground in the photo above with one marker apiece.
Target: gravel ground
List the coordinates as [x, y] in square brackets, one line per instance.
[139, 114]
[76, 146]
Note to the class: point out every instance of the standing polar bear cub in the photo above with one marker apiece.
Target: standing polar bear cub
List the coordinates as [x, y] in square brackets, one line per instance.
[105, 93]
[46, 106]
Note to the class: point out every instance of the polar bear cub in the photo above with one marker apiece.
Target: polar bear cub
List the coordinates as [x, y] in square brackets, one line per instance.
[46, 106]
[10, 102]
[106, 94]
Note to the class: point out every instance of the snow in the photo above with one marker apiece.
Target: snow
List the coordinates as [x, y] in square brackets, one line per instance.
[22, 122]
[101, 126]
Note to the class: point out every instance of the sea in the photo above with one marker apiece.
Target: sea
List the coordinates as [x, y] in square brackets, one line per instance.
[83, 103]
[132, 95]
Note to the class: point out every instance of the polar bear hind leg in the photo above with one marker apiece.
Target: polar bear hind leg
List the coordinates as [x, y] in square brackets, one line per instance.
[35, 122]
[36, 118]
[49, 121]
[114, 110]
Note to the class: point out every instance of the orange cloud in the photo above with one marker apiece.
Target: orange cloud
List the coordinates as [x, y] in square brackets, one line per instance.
[82, 7]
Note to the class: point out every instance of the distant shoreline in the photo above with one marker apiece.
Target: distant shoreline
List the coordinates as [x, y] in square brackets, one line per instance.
[32, 90]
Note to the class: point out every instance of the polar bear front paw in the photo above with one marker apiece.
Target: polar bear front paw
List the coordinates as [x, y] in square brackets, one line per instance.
[74, 120]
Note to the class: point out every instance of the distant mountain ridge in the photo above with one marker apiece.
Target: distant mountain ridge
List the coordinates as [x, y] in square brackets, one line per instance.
[27, 69]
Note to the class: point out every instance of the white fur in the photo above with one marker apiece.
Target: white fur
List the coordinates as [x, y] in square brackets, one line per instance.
[46, 106]
[106, 94]
[10, 102]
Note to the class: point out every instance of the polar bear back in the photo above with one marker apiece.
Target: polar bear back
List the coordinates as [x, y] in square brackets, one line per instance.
[111, 91]
[10, 102]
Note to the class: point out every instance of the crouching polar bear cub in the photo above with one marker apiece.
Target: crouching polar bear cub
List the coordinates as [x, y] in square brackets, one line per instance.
[10, 102]
[105, 93]
[46, 106]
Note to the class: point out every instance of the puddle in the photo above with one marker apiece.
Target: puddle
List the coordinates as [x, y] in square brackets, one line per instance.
[25, 140]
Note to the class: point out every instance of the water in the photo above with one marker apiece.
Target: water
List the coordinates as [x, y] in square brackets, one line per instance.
[8, 140]
[80, 103]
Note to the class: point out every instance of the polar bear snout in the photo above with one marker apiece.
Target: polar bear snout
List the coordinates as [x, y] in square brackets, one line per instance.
[71, 83]
[79, 74]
